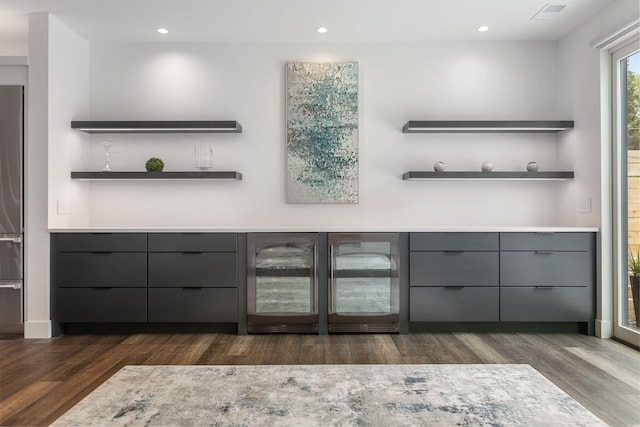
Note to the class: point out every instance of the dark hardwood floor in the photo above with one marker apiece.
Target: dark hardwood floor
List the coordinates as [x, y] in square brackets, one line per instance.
[41, 379]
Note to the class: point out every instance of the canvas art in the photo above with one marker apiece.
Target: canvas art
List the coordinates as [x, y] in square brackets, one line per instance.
[322, 132]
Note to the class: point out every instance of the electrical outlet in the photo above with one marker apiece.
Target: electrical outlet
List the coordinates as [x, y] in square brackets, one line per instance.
[64, 207]
[584, 205]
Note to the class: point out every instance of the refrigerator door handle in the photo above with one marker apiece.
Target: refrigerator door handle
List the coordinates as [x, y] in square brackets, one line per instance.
[11, 239]
[13, 285]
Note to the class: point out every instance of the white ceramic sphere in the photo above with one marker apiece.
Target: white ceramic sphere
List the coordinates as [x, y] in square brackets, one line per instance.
[487, 167]
[532, 167]
[438, 167]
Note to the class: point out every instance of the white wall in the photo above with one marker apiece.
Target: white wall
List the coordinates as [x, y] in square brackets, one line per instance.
[581, 83]
[398, 82]
[58, 89]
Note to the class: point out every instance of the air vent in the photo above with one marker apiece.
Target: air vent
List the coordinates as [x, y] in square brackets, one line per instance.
[549, 11]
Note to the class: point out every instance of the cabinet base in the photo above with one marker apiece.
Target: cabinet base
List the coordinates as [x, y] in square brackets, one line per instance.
[532, 327]
[138, 328]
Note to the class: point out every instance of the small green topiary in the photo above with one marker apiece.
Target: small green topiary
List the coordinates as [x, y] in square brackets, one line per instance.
[154, 165]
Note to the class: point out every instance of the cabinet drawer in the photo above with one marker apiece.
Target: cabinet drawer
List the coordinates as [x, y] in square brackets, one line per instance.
[547, 241]
[553, 304]
[102, 242]
[124, 270]
[105, 305]
[207, 269]
[454, 269]
[442, 304]
[197, 242]
[193, 305]
[551, 269]
[453, 242]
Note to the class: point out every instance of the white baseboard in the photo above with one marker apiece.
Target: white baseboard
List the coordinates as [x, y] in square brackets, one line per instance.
[604, 328]
[37, 329]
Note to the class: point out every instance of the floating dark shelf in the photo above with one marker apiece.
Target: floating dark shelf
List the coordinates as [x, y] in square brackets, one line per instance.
[188, 126]
[158, 175]
[422, 175]
[478, 126]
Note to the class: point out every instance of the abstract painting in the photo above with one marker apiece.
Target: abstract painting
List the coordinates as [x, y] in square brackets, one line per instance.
[322, 132]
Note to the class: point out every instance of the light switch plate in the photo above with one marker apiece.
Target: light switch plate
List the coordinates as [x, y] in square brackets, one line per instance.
[64, 207]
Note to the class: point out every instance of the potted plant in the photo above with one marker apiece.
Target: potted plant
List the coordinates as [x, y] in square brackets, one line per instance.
[634, 279]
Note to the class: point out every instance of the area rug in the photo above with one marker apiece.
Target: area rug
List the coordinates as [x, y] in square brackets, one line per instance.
[329, 395]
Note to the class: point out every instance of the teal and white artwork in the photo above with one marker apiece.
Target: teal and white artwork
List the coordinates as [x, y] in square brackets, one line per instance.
[322, 132]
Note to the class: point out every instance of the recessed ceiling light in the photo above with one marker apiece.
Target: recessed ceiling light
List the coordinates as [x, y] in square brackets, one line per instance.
[483, 29]
[322, 30]
[163, 30]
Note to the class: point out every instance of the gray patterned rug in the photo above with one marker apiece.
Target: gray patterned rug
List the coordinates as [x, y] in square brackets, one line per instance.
[326, 395]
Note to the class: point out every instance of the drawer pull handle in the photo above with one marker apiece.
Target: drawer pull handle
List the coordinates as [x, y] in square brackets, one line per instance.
[102, 252]
[544, 252]
[545, 287]
[192, 252]
[189, 288]
[101, 288]
[454, 287]
[453, 252]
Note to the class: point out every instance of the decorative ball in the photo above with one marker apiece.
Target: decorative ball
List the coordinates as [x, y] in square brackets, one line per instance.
[532, 167]
[438, 167]
[154, 165]
[487, 167]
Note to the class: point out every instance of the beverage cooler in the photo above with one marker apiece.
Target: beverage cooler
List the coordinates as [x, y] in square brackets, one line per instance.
[364, 284]
[282, 283]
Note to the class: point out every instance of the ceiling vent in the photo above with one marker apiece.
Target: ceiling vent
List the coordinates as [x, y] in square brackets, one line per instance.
[549, 11]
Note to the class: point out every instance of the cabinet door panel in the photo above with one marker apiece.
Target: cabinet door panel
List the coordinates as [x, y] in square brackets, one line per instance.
[442, 304]
[552, 304]
[454, 269]
[207, 269]
[547, 241]
[102, 242]
[453, 242]
[106, 305]
[193, 305]
[197, 242]
[124, 270]
[546, 269]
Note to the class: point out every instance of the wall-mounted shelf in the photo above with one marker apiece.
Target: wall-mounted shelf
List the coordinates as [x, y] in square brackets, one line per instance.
[157, 175]
[479, 126]
[184, 126]
[539, 176]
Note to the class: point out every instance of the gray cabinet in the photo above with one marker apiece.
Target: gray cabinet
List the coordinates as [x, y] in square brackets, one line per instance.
[102, 305]
[145, 278]
[454, 304]
[454, 268]
[547, 277]
[502, 277]
[453, 277]
[197, 305]
[99, 277]
[193, 277]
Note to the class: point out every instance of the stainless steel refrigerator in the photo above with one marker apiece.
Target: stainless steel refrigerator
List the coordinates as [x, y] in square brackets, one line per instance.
[11, 213]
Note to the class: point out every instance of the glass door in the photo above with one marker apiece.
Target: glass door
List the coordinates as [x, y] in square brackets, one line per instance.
[626, 75]
[364, 282]
[282, 293]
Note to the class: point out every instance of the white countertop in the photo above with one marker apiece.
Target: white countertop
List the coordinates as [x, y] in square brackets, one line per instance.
[307, 229]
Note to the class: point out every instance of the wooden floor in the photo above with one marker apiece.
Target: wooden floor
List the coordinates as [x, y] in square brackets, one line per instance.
[41, 379]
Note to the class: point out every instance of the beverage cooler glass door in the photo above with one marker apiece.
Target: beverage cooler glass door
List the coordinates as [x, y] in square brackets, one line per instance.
[364, 286]
[282, 290]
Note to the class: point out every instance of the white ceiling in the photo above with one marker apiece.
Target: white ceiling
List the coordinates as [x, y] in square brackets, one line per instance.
[297, 20]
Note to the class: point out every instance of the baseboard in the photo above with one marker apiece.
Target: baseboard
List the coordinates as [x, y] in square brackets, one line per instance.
[604, 328]
[37, 329]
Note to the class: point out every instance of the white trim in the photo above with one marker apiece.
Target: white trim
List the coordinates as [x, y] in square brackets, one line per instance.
[603, 328]
[614, 39]
[35, 329]
[14, 60]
